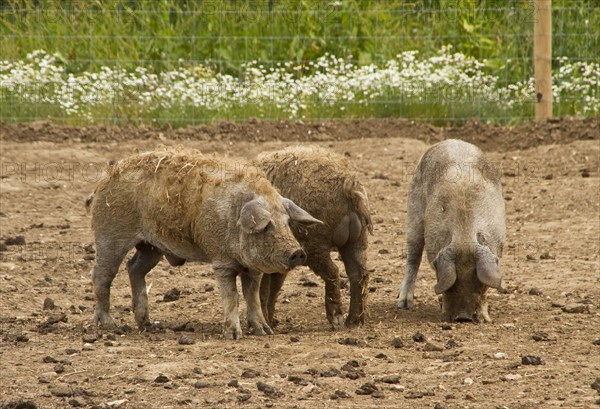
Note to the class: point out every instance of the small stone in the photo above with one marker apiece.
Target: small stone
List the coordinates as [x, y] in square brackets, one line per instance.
[49, 360]
[575, 308]
[446, 327]
[350, 365]
[71, 351]
[511, 377]
[90, 339]
[298, 380]
[468, 381]
[532, 360]
[49, 304]
[390, 379]
[294, 339]
[116, 403]
[341, 394]
[535, 291]
[62, 392]
[596, 385]
[397, 343]
[546, 256]
[557, 304]
[47, 377]
[596, 341]
[500, 355]
[234, 383]
[172, 295]
[381, 355]
[185, 340]
[540, 336]
[75, 403]
[311, 294]
[351, 341]
[414, 395]
[418, 337]
[431, 347]
[243, 397]
[451, 343]
[22, 338]
[378, 395]
[509, 325]
[59, 368]
[585, 173]
[87, 347]
[250, 373]
[162, 379]
[397, 388]
[201, 384]
[439, 405]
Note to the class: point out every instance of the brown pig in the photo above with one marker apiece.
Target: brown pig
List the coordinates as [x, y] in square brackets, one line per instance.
[322, 182]
[187, 206]
[456, 213]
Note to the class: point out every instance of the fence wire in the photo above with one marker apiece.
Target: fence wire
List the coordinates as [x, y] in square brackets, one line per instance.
[185, 62]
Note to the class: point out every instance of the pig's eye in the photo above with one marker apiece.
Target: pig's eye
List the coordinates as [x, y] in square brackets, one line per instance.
[267, 227]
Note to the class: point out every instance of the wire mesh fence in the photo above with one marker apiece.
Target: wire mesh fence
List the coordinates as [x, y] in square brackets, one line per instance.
[184, 62]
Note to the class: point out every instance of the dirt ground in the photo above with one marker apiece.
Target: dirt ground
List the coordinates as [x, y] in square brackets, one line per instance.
[541, 351]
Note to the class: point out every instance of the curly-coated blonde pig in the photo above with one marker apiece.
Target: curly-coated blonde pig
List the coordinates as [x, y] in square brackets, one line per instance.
[456, 213]
[322, 182]
[187, 206]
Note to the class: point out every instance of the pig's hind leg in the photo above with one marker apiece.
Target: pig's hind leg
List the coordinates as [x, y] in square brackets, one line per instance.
[320, 262]
[109, 255]
[145, 259]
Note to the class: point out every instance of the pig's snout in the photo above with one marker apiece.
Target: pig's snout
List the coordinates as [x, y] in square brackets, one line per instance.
[297, 258]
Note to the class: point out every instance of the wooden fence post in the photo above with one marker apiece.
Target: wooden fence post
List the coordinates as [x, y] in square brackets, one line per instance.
[542, 58]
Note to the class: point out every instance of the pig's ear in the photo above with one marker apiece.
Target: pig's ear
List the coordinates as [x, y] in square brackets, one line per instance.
[254, 217]
[487, 265]
[445, 270]
[297, 213]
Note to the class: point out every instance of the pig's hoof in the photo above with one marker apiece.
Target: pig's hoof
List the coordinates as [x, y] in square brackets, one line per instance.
[261, 330]
[405, 303]
[353, 322]
[232, 334]
[337, 322]
[105, 322]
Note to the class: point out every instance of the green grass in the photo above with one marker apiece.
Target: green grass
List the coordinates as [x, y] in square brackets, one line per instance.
[224, 34]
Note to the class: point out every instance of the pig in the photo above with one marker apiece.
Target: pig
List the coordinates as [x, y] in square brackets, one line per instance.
[322, 182]
[188, 206]
[456, 213]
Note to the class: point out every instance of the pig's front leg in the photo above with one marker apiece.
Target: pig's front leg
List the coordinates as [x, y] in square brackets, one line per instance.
[226, 277]
[251, 289]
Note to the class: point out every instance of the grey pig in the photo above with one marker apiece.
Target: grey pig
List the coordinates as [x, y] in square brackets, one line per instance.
[456, 213]
[187, 206]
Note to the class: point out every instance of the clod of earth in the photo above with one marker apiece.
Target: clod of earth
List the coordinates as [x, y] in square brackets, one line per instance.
[15, 241]
[250, 373]
[162, 379]
[397, 343]
[268, 389]
[185, 340]
[432, 347]
[367, 389]
[540, 336]
[48, 304]
[172, 295]
[418, 337]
